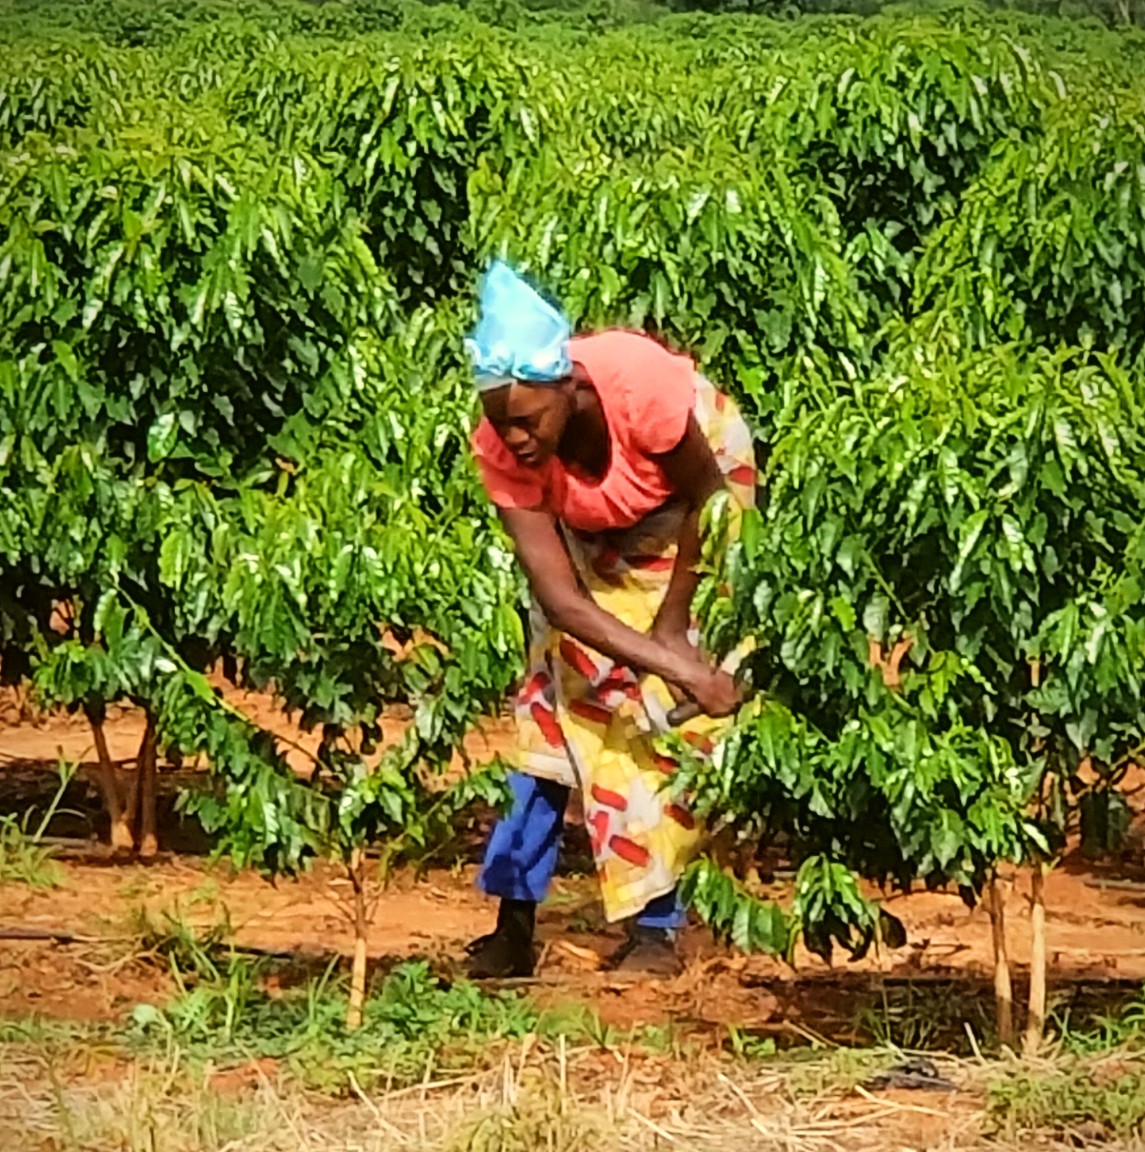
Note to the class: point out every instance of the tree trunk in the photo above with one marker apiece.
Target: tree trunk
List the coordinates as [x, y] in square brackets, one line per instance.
[148, 838]
[1003, 988]
[356, 870]
[1036, 1018]
[122, 839]
[130, 782]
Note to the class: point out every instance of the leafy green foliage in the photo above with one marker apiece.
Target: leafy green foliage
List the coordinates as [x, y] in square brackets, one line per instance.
[134, 23]
[676, 247]
[732, 913]
[926, 537]
[1046, 243]
[213, 448]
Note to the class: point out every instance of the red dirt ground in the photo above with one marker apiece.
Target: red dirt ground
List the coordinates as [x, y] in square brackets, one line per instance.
[1096, 922]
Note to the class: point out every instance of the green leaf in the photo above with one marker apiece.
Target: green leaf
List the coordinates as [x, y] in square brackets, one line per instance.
[162, 437]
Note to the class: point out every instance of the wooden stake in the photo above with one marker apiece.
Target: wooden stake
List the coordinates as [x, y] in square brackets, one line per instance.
[122, 839]
[1036, 1010]
[361, 931]
[148, 837]
[1036, 1017]
[1003, 987]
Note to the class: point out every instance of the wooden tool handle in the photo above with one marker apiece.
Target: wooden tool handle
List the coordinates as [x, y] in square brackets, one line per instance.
[682, 713]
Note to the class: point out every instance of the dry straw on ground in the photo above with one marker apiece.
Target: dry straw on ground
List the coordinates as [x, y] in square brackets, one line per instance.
[581, 1100]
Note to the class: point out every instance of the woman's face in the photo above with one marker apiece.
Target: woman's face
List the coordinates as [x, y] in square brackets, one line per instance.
[530, 418]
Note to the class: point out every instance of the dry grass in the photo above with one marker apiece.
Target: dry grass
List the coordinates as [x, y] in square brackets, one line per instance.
[537, 1100]
[61, 1090]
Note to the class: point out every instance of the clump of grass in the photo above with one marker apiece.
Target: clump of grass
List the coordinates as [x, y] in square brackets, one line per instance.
[541, 1117]
[1075, 1100]
[231, 1007]
[1087, 1033]
[159, 1105]
[927, 1017]
[811, 1074]
[23, 860]
[148, 1110]
[745, 1044]
[663, 1040]
[24, 857]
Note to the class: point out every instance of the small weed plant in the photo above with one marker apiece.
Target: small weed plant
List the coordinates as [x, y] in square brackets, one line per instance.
[24, 856]
[1077, 1101]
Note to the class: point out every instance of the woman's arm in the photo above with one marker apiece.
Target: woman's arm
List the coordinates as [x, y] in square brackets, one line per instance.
[570, 609]
[694, 474]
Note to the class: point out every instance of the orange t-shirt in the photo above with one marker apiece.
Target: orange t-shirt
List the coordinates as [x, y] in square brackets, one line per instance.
[647, 393]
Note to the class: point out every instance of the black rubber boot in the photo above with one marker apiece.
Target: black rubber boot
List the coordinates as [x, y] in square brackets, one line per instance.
[507, 952]
[647, 952]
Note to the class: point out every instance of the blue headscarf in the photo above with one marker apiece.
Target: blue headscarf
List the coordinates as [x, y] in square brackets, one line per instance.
[520, 336]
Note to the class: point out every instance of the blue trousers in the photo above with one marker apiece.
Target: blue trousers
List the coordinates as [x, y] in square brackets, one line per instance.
[521, 855]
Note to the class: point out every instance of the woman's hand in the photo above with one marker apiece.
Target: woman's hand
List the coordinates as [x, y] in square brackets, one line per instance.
[667, 654]
[715, 691]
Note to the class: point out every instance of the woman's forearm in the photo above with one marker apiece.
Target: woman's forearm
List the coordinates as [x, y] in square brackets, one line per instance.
[582, 618]
[674, 616]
